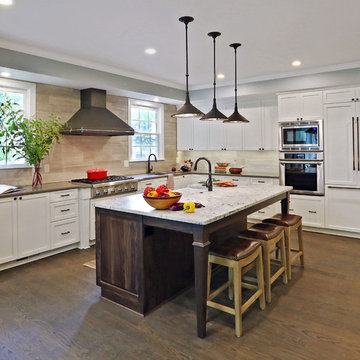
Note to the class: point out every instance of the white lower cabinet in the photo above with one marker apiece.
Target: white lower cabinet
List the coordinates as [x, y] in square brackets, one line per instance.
[311, 208]
[343, 208]
[8, 229]
[33, 224]
[64, 232]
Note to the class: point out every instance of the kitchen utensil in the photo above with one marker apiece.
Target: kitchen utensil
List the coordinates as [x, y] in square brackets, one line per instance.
[222, 164]
[96, 174]
[235, 170]
[162, 203]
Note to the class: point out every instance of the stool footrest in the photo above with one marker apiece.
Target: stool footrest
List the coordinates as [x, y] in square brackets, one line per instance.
[219, 290]
[276, 275]
[250, 301]
[295, 257]
[218, 306]
[249, 286]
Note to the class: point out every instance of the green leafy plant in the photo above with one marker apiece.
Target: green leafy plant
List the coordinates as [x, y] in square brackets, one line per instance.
[31, 138]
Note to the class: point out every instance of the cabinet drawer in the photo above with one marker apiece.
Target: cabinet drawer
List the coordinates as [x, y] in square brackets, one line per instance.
[310, 208]
[63, 195]
[64, 210]
[261, 181]
[64, 233]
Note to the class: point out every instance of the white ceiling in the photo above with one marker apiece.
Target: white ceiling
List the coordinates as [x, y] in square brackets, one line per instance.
[111, 35]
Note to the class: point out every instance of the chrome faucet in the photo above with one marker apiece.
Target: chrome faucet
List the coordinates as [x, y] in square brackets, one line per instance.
[149, 168]
[209, 180]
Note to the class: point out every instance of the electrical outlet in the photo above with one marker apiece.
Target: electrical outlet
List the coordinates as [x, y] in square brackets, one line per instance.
[46, 168]
[126, 163]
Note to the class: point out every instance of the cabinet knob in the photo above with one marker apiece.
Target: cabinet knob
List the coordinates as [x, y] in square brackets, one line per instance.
[20, 198]
[357, 99]
[352, 99]
[15, 198]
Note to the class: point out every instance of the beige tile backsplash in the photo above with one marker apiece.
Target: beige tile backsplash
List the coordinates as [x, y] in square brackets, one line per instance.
[75, 154]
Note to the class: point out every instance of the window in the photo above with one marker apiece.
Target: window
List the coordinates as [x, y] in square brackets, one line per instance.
[23, 94]
[147, 119]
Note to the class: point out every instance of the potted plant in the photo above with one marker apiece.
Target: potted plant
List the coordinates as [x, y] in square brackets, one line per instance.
[30, 139]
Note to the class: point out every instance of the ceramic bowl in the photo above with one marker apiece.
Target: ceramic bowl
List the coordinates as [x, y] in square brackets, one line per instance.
[235, 170]
[222, 164]
[162, 203]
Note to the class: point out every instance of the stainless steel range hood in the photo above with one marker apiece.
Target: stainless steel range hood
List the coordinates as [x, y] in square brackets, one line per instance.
[94, 118]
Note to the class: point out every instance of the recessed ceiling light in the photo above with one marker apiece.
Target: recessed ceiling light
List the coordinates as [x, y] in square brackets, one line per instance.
[6, 2]
[5, 73]
[150, 51]
[296, 63]
[220, 76]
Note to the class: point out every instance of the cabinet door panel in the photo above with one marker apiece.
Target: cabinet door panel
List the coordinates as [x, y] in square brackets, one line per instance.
[312, 106]
[33, 224]
[338, 95]
[217, 135]
[289, 107]
[270, 125]
[8, 248]
[253, 129]
[234, 136]
[201, 135]
[185, 133]
[339, 144]
[342, 209]
[311, 208]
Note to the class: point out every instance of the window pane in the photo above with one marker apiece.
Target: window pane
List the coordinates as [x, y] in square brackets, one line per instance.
[136, 140]
[145, 152]
[144, 115]
[152, 115]
[154, 140]
[152, 127]
[17, 98]
[137, 152]
[2, 97]
[134, 113]
[135, 125]
[144, 126]
[154, 151]
[145, 140]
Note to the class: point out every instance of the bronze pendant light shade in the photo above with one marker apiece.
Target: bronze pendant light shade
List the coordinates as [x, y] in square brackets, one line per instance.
[187, 110]
[235, 117]
[214, 113]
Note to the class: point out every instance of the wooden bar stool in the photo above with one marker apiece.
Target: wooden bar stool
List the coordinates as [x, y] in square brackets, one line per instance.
[270, 237]
[237, 254]
[290, 223]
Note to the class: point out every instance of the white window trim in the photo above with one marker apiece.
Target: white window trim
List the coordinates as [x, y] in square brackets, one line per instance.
[160, 108]
[29, 91]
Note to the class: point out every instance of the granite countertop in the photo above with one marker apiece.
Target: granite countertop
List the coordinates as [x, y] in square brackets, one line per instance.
[28, 190]
[219, 203]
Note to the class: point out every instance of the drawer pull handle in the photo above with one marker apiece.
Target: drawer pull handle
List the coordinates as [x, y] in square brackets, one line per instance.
[65, 233]
[64, 210]
[148, 184]
[64, 195]
[312, 212]
[261, 182]
[291, 209]
[261, 212]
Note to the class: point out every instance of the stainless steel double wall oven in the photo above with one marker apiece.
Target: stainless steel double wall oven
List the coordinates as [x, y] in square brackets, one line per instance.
[302, 156]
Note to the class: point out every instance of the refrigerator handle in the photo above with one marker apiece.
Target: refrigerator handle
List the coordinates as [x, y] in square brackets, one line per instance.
[353, 141]
[358, 145]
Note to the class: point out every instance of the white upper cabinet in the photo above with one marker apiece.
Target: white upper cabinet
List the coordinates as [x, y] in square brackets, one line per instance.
[234, 136]
[201, 134]
[301, 106]
[340, 144]
[340, 95]
[270, 128]
[217, 139]
[252, 130]
[185, 133]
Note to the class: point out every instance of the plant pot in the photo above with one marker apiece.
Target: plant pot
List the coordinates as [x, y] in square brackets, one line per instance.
[37, 178]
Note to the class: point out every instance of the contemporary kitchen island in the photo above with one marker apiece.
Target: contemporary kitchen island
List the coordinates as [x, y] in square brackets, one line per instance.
[146, 256]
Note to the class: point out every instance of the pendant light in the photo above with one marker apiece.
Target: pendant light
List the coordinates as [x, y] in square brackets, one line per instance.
[214, 113]
[187, 110]
[235, 117]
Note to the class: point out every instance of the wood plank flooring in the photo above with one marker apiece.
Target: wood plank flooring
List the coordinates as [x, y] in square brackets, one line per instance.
[51, 309]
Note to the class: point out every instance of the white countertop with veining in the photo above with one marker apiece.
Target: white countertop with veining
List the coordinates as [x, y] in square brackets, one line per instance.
[219, 203]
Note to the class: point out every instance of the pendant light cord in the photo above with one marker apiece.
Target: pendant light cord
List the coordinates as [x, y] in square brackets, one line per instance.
[236, 104]
[214, 72]
[187, 59]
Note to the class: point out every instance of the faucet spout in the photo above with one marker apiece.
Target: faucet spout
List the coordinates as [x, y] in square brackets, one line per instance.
[209, 180]
[149, 168]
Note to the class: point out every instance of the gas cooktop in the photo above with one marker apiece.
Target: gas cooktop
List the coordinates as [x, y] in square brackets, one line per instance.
[111, 178]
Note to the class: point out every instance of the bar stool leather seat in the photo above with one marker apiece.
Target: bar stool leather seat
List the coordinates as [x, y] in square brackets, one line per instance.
[262, 231]
[283, 219]
[234, 248]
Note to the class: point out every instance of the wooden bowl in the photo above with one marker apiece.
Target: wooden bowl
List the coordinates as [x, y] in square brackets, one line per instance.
[162, 203]
[235, 170]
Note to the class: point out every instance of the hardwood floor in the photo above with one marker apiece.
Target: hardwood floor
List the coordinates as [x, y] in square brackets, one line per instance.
[51, 309]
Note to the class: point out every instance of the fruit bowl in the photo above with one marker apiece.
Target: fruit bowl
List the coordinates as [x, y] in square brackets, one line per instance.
[162, 203]
[222, 164]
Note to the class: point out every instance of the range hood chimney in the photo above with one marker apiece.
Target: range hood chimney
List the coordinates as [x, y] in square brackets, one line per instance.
[94, 118]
